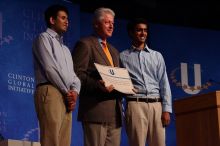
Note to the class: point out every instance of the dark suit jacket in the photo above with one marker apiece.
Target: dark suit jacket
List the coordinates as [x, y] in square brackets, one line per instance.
[94, 104]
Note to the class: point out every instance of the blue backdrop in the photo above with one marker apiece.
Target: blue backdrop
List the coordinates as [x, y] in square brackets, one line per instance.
[21, 21]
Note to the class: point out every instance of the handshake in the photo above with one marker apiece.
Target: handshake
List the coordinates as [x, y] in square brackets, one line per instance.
[70, 100]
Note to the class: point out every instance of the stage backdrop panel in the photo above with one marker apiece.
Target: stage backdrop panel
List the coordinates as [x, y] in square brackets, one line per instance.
[191, 57]
[20, 22]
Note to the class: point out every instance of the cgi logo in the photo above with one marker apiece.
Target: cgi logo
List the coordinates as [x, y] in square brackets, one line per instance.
[111, 71]
[184, 79]
[6, 39]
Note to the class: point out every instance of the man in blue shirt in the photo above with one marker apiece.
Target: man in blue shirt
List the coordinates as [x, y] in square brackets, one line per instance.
[148, 111]
[57, 84]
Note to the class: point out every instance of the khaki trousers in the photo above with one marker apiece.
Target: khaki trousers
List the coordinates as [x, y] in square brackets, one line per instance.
[144, 125]
[101, 134]
[55, 123]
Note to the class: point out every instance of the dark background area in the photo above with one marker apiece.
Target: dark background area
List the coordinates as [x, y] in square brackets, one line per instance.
[189, 13]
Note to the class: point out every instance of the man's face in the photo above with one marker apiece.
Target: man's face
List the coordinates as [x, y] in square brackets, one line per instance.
[139, 34]
[60, 24]
[105, 26]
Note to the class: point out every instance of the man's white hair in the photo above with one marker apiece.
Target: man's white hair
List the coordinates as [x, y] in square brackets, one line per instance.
[100, 12]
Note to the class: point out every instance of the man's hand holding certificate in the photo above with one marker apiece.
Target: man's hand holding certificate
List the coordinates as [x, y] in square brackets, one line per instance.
[118, 77]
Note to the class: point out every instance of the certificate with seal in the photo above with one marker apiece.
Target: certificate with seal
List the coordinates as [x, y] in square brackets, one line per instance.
[118, 77]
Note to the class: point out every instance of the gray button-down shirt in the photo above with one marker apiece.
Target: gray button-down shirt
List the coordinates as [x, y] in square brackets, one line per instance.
[53, 62]
[148, 73]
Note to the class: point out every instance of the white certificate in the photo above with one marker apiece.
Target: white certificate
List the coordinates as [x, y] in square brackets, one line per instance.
[118, 77]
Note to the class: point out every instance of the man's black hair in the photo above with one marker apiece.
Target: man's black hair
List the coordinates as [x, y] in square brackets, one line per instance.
[133, 22]
[52, 11]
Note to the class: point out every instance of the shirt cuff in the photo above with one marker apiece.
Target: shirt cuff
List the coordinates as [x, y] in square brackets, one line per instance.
[166, 108]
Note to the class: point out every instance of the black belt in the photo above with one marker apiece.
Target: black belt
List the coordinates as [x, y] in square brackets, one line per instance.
[41, 84]
[150, 100]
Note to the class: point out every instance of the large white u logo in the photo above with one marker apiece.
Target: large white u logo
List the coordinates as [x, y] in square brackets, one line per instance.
[184, 79]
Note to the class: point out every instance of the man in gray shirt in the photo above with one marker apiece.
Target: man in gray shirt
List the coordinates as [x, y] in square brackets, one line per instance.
[57, 84]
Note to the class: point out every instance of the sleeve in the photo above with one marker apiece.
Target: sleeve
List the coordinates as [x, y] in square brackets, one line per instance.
[85, 69]
[76, 85]
[165, 91]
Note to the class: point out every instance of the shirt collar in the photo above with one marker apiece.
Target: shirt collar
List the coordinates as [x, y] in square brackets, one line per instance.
[99, 39]
[54, 34]
[146, 49]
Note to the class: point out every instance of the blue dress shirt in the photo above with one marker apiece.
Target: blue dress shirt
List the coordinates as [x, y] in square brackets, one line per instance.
[147, 70]
[53, 62]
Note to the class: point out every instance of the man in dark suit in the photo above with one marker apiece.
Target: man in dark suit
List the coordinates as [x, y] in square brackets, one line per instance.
[99, 108]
